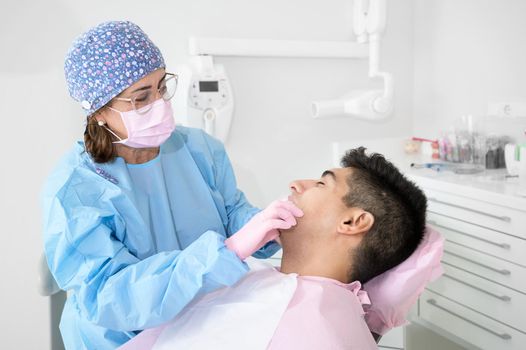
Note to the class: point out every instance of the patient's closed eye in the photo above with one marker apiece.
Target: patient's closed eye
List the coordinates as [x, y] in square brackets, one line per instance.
[320, 183]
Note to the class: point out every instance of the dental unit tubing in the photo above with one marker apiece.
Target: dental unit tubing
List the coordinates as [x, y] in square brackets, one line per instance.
[369, 24]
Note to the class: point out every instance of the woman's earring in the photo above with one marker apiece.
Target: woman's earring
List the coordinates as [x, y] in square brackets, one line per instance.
[101, 122]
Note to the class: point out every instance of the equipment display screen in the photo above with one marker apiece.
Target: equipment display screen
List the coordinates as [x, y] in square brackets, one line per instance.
[208, 86]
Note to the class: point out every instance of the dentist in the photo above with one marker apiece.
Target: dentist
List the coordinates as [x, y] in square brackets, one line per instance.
[142, 217]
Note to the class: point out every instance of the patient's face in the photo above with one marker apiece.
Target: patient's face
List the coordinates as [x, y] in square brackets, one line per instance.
[321, 201]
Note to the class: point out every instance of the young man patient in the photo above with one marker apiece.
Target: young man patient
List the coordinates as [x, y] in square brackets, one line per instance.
[359, 221]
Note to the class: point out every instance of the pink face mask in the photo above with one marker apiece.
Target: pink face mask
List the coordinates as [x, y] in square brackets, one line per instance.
[150, 129]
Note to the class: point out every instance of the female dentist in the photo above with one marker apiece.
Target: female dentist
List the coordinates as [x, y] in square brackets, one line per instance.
[136, 217]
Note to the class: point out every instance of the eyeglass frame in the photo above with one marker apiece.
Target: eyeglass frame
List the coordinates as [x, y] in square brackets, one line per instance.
[132, 100]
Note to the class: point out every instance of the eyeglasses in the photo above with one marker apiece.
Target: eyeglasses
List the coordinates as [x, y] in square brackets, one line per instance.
[142, 100]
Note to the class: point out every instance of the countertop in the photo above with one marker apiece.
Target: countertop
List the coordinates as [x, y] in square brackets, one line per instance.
[490, 186]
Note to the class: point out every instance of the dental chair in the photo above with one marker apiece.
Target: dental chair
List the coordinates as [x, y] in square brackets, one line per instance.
[47, 287]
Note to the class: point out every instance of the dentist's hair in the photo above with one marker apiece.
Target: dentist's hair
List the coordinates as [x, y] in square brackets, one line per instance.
[399, 210]
[98, 141]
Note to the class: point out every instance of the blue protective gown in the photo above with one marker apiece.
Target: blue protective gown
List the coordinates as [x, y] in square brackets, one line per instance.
[133, 244]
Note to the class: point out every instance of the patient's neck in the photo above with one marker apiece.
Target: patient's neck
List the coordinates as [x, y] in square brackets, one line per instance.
[320, 263]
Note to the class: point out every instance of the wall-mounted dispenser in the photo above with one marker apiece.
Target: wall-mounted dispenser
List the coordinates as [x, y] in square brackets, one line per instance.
[209, 103]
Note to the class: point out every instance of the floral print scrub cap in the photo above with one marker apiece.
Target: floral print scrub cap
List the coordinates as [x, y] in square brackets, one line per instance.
[106, 60]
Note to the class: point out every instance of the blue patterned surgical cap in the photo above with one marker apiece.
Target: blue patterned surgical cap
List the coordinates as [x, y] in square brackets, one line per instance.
[106, 60]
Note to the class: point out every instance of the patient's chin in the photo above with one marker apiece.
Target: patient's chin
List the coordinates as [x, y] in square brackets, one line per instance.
[293, 230]
[289, 238]
[282, 231]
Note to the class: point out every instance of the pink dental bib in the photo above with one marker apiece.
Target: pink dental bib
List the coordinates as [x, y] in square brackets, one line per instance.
[268, 310]
[324, 314]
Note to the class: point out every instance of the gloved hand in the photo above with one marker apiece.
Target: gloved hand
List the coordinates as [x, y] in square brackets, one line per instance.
[263, 228]
[394, 292]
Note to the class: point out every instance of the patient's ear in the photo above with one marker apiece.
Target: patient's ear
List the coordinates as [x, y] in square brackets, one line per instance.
[356, 221]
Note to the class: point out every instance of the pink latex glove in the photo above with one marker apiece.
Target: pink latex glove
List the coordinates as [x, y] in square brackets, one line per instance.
[263, 228]
[394, 292]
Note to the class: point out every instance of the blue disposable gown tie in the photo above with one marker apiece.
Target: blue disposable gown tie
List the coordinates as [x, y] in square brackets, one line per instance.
[133, 244]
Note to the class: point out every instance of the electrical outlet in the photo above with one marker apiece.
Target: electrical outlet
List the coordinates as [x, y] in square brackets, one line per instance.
[507, 109]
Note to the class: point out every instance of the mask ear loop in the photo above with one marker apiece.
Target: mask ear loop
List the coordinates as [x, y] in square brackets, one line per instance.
[103, 124]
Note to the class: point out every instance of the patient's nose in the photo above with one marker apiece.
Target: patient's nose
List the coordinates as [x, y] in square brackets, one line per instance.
[295, 186]
[300, 186]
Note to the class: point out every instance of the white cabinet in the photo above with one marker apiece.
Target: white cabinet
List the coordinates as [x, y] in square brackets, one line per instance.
[393, 340]
[481, 298]
[468, 324]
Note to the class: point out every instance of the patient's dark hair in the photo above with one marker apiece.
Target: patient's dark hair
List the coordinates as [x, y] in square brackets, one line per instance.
[398, 207]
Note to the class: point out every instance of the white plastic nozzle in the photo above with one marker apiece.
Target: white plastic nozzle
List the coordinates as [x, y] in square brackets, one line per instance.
[330, 108]
[363, 104]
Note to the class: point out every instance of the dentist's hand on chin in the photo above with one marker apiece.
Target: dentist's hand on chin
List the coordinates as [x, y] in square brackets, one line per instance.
[263, 228]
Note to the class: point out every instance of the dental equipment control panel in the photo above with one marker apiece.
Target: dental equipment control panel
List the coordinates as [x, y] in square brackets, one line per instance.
[210, 100]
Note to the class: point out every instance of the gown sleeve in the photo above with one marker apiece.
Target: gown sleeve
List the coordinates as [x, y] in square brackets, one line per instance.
[83, 243]
[239, 210]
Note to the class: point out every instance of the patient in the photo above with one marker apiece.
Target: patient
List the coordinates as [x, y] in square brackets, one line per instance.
[360, 221]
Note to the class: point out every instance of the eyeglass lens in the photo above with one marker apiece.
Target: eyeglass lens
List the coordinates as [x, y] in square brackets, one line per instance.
[145, 98]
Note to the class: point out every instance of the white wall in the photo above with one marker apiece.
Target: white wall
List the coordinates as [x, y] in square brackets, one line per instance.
[467, 53]
[273, 138]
